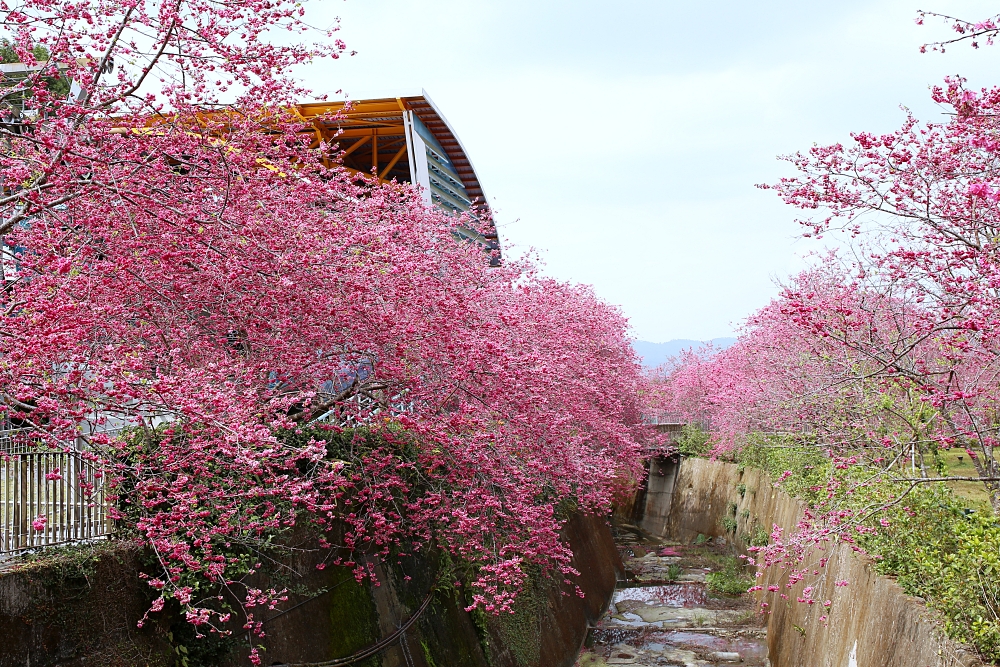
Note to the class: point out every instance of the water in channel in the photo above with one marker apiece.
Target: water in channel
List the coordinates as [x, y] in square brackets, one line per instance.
[664, 614]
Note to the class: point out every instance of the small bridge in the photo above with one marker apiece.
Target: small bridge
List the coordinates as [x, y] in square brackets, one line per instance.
[674, 419]
[673, 423]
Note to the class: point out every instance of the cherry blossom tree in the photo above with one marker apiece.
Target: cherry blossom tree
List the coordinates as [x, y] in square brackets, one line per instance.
[912, 317]
[870, 363]
[799, 367]
[284, 343]
[921, 202]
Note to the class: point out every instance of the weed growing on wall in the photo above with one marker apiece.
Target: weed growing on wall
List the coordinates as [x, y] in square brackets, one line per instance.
[731, 579]
[758, 537]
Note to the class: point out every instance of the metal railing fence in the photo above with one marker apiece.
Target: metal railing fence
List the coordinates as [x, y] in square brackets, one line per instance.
[48, 497]
[362, 408]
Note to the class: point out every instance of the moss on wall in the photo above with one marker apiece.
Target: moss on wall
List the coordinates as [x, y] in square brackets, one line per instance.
[352, 614]
[521, 629]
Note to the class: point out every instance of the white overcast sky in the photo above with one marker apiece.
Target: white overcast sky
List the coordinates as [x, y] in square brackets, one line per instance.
[623, 139]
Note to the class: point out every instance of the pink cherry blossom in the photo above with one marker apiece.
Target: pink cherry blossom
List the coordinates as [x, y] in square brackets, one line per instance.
[208, 276]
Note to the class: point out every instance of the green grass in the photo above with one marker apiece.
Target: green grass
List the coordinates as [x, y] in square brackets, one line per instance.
[974, 492]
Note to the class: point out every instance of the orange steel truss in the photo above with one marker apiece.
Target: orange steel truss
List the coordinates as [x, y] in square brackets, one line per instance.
[406, 139]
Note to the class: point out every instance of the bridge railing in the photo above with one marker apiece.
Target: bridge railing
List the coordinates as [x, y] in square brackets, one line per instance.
[664, 419]
[48, 497]
[676, 419]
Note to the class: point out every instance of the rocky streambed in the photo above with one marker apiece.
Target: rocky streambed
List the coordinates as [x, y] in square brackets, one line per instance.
[673, 608]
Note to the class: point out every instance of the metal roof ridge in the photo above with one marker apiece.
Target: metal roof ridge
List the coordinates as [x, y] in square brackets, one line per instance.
[451, 130]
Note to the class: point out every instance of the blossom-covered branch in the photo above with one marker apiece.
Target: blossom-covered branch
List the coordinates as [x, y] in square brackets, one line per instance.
[280, 341]
[968, 31]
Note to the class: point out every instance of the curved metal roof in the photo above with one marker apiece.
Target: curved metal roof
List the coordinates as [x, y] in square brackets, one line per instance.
[371, 136]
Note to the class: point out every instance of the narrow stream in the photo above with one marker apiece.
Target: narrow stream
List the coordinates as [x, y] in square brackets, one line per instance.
[665, 614]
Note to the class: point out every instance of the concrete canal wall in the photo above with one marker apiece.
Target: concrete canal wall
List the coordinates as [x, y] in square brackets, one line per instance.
[872, 622]
[82, 610]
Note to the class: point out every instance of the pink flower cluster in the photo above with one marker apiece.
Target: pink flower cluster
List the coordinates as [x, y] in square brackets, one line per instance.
[204, 272]
[886, 352]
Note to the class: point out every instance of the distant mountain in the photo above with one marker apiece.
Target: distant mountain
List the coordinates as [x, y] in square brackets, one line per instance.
[654, 354]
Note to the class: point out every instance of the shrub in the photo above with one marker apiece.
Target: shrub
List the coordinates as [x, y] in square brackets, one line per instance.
[693, 441]
[928, 542]
[758, 537]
